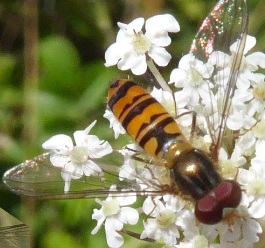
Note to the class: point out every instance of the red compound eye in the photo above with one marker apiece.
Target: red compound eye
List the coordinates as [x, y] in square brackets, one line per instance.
[228, 193]
[208, 210]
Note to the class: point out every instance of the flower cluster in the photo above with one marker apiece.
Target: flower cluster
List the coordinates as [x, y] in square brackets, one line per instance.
[201, 88]
[132, 47]
[228, 101]
[77, 160]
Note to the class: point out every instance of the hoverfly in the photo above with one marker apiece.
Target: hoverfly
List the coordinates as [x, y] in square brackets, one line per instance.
[193, 172]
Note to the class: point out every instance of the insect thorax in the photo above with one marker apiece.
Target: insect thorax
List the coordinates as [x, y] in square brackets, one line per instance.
[192, 170]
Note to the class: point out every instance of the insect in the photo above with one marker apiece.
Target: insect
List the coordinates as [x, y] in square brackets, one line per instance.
[193, 172]
[13, 233]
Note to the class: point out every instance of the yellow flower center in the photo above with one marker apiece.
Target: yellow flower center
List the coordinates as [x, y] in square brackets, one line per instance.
[79, 154]
[141, 43]
[166, 218]
[194, 77]
[259, 91]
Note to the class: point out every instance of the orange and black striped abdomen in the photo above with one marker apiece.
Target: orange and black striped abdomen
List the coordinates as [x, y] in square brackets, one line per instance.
[142, 116]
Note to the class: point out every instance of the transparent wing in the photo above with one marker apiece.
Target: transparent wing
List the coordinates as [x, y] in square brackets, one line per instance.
[39, 178]
[13, 233]
[225, 26]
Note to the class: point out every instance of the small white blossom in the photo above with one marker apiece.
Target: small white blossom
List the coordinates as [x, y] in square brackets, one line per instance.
[115, 213]
[199, 236]
[192, 76]
[114, 123]
[132, 46]
[242, 230]
[163, 226]
[77, 160]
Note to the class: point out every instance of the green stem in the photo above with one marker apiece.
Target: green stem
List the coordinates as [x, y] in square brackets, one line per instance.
[158, 76]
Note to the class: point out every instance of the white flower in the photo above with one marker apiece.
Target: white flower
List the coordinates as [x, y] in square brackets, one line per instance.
[132, 46]
[242, 232]
[166, 214]
[77, 160]
[165, 98]
[200, 236]
[247, 66]
[114, 213]
[253, 181]
[229, 166]
[192, 76]
[114, 123]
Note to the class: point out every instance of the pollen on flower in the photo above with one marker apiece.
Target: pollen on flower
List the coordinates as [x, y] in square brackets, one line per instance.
[259, 130]
[229, 169]
[259, 91]
[109, 208]
[166, 218]
[79, 154]
[256, 186]
[200, 241]
[141, 43]
[194, 77]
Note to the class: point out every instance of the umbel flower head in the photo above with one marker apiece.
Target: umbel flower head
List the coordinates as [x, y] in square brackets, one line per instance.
[77, 160]
[133, 47]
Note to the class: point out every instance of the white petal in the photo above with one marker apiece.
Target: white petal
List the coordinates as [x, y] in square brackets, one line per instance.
[124, 37]
[127, 199]
[59, 160]
[111, 226]
[242, 82]
[159, 55]
[128, 60]
[250, 231]
[114, 239]
[185, 61]
[81, 136]
[235, 121]
[222, 154]
[100, 217]
[91, 168]
[114, 122]
[260, 148]
[257, 208]
[140, 65]
[178, 76]
[113, 54]
[164, 22]
[256, 59]
[97, 148]
[219, 58]
[60, 141]
[136, 25]
[148, 206]
[186, 119]
[244, 176]
[128, 215]
[162, 39]
[250, 43]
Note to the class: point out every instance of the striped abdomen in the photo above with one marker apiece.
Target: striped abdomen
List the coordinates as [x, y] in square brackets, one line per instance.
[143, 117]
[147, 121]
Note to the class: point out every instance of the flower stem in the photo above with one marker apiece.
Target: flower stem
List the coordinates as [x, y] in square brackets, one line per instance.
[157, 75]
[136, 235]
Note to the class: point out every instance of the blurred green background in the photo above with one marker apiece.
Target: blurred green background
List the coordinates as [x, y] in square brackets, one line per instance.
[53, 80]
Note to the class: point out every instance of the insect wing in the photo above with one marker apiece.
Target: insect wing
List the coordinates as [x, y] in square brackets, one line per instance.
[13, 233]
[225, 26]
[39, 178]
